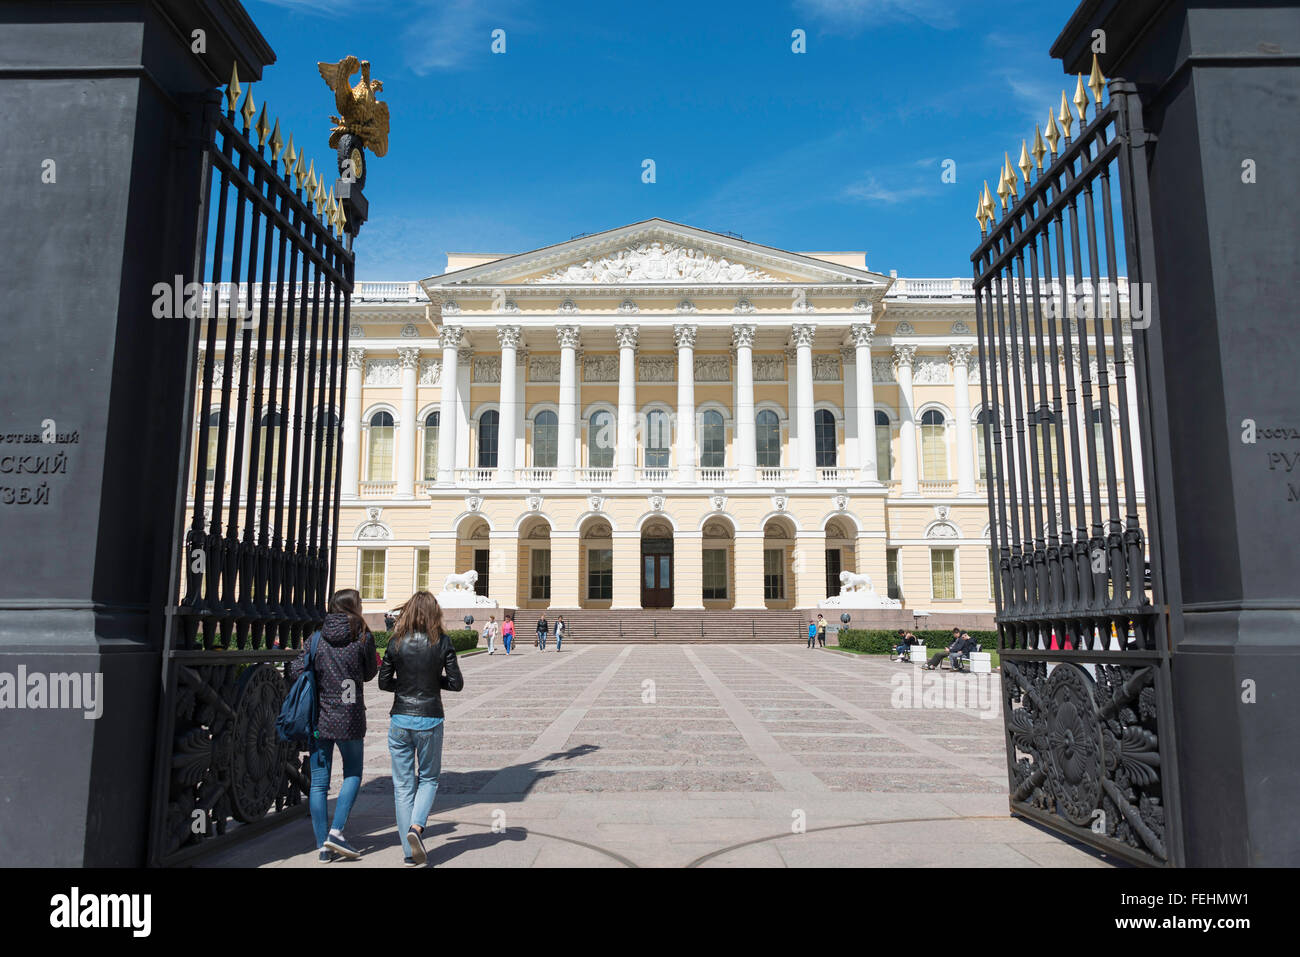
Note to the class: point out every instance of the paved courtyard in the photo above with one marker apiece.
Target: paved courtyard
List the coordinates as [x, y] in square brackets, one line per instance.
[699, 755]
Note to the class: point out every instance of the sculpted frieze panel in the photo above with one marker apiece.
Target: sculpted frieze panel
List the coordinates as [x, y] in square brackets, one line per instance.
[656, 262]
[600, 368]
[382, 372]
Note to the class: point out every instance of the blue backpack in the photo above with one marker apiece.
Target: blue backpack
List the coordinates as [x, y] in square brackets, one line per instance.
[297, 721]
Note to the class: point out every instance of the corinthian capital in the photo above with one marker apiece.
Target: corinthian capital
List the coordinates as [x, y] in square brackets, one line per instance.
[356, 358]
[508, 336]
[569, 336]
[742, 336]
[960, 356]
[450, 336]
[904, 356]
[626, 336]
[684, 336]
[863, 333]
[803, 335]
[409, 358]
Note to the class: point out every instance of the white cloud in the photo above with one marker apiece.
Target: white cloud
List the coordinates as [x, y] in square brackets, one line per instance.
[856, 14]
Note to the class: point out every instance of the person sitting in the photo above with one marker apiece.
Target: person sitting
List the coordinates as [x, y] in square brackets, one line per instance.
[905, 641]
[954, 651]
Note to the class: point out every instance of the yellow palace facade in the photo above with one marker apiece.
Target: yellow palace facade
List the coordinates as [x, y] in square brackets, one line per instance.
[663, 417]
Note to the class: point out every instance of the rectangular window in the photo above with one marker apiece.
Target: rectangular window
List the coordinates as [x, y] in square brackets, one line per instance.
[943, 579]
[715, 573]
[421, 569]
[541, 575]
[883, 462]
[891, 573]
[600, 574]
[834, 566]
[372, 573]
[430, 452]
[773, 574]
[482, 565]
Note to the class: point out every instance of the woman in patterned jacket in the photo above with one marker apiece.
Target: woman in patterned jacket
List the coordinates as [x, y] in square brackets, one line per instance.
[345, 660]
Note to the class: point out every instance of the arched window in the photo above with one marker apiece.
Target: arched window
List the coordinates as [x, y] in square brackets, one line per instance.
[767, 439]
[431, 424]
[600, 440]
[985, 418]
[713, 440]
[934, 446]
[488, 425]
[213, 436]
[546, 440]
[658, 437]
[884, 451]
[380, 459]
[1098, 421]
[824, 430]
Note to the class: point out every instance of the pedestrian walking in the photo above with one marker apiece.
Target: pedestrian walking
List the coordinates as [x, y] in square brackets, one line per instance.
[508, 631]
[542, 627]
[344, 660]
[821, 630]
[419, 664]
[490, 633]
[812, 633]
[561, 629]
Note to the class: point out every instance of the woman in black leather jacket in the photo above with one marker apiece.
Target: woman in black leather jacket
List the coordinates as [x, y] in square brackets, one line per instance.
[419, 664]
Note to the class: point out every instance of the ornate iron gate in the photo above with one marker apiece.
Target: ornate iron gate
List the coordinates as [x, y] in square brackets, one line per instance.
[1082, 637]
[254, 555]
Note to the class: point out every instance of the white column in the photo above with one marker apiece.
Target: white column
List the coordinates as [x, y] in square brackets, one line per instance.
[961, 356]
[684, 336]
[803, 339]
[407, 427]
[625, 453]
[848, 460]
[351, 426]
[450, 338]
[508, 336]
[903, 359]
[862, 333]
[566, 459]
[1130, 387]
[464, 432]
[1081, 424]
[746, 454]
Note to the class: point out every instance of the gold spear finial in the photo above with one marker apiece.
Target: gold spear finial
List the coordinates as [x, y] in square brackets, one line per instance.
[988, 201]
[290, 158]
[329, 205]
[1066, 118]
[1011, 175]
[248, 110]
[1053, 133]
[1024, 164]
[299, 172]
[1003, 192]
[232, 89]
[982, 215]
[1039, 149]
[1081, 103]
[262, 127]
[1096, 81]
[319, 197]
[277, 144]
[343, 216]
[310, 181]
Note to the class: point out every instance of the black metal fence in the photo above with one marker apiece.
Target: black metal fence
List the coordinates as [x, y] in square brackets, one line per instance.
[255, 553]
[1085, 655]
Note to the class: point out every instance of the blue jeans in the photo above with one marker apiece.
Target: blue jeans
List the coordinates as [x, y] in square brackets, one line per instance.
[558, 638]
[413, 792]
[322, 760]
[509, 640]
[541, 640]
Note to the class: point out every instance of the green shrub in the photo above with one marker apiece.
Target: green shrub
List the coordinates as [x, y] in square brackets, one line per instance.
[882, 642]
[462, 639]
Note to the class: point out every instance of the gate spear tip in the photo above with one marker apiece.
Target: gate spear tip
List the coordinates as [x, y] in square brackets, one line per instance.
[232, 89]
[1096, 80]
[1081, 103]
[1053, 134]
[277, 144]
[1039, 149]
[1024, 164]
[262, 128]
[248, 110]
[1066, 118]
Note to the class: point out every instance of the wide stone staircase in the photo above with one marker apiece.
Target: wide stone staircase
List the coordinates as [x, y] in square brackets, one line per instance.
[649, 625]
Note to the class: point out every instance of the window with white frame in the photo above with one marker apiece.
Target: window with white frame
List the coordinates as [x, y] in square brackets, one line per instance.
[373, 573]
[432, 424]
[379, 461]
[884, 453]
[715, 573]
[421, 569]
[934, 446]
[943, 573]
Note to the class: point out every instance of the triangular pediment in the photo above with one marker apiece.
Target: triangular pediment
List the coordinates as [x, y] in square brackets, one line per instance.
[653, 253]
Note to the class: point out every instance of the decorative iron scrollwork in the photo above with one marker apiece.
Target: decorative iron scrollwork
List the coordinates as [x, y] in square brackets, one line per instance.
[1088, 748]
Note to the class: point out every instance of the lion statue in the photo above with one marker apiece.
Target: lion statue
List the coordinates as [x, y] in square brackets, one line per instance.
[850, 582]
[465, 582]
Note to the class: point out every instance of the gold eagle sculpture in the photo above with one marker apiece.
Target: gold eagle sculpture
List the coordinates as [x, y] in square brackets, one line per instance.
[359, 112]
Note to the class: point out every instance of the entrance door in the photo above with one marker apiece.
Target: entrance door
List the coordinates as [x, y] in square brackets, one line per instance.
[657, 573]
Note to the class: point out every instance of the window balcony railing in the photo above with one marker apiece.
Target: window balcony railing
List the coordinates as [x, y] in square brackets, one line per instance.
[594, 476]
[937, 486]
[832, 474]
[378, 489]
[771, 474]
[476, 476]
[534, 476]
[715, 475]
[654, 475]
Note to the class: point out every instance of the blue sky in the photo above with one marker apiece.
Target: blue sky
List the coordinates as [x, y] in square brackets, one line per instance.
[838, 148]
